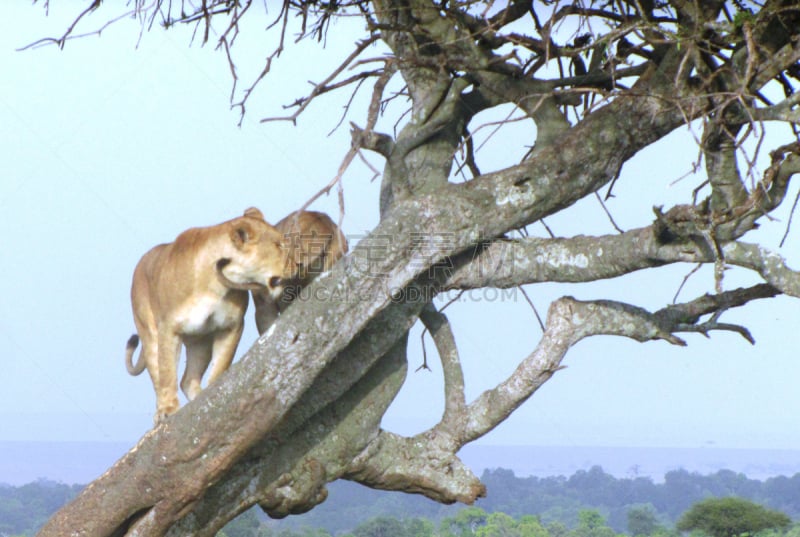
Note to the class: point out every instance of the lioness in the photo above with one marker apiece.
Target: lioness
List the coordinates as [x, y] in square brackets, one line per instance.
[194, 292]
[312, 244]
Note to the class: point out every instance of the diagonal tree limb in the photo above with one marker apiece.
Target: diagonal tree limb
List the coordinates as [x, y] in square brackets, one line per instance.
[286, 472]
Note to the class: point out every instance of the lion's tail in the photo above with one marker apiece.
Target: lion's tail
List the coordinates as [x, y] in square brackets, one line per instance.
[133, 342]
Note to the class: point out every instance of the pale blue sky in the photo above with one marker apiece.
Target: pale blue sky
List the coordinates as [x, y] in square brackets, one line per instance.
[109, 149]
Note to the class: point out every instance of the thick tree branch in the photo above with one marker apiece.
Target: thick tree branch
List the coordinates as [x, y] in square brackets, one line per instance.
[719, 147]
[287, 471]
[509, 263]
[424, 464]
[770, 265]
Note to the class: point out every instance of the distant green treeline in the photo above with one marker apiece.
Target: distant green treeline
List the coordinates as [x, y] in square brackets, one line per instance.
[554, 502]
[558, 499]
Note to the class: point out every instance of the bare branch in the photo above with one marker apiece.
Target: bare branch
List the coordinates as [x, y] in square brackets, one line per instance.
[442, 334]
[323, 86]
[791, 217]
[241, 104]
[360, 138]
[608, 213]
[727, 188]
[570, 320]
[68, 34]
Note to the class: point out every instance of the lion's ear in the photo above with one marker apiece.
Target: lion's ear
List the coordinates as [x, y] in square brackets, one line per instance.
[241, 233]
[253, 212]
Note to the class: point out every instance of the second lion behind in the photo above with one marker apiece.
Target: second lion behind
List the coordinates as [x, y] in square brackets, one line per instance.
[314, 243]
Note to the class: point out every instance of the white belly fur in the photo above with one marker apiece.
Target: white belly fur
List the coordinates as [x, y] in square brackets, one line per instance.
[207, 313]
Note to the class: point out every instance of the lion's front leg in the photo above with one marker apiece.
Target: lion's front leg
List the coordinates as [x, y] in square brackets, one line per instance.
[169, 350]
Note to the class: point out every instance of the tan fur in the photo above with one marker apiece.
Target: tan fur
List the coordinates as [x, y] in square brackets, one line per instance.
[193, 292]
[312, 244]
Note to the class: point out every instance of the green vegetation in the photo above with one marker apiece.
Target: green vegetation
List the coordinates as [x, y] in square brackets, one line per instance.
[559, 499]
[589, 503]
[475, 522]
[731, 517]
[642, 520]
[24, 509]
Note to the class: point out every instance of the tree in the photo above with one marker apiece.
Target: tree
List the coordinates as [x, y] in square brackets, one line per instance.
[642, 520]
[557, 529]
[420, 527]
[593, 83]
[592, 524]
[531, 526]
[384, 526]
[381, 527]
[731, 517]
[465, 523]
[499, 525]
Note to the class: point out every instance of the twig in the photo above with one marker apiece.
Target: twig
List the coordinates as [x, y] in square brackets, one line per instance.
[547, 228]
[268, 65]
[424, 352]
[791, 216]
[347, 105]
[533, 307]
[608, 213]
[375, 172]
[685, 279]
[358, 135]
[451, 301]
[61, 41]
[322, 87]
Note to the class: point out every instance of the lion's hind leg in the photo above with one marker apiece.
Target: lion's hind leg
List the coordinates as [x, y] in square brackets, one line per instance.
[225, 343]
[198, 356]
